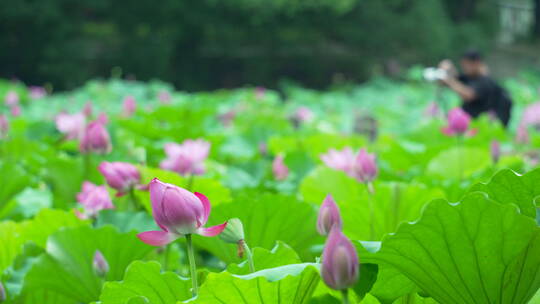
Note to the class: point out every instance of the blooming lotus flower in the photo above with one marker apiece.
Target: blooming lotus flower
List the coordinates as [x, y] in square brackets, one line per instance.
[177, 212]
[164, 97]
[186, 158]
[93, 198]
[15, 110]
[531, 115]
[120, 176]
[458, 122]
[37, 92]
[328, 216]
[495, 149]
[100, 264]
[95, 138]
[88, 109]
[343, 160]
[4, 126]
[339, 268]
[129, 106]
[71, 125]
[280, 170]
[366, 167]
[11, 99]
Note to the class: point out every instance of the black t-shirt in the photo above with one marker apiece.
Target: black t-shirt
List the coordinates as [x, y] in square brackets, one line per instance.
[489, 96]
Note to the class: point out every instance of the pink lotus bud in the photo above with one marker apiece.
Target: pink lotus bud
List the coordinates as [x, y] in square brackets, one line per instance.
[366, 167]
[280, 170]
[304, 114]
[37, 92]
[260, 92]
[458, 122]
[120, 176]
[328, 216]
[186, 158]
[432, 110]
[343, 160]
[495, 150]
[100, 264]
[522, 134]
[72, 125]
[129, 106]
[177, 212]
[339, 268]
[93, 198]
[4, 126]
[95, 139]
[11, 99]
[15, 110]
[103, 118]
[3, 295]
[164, 97]
[88, 109]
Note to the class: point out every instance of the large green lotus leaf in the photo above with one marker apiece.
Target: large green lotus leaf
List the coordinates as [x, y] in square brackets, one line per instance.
[211, 188]
[126, 221]
[65, 175]
[66, 267]
[14, 235]
[392, 202]
[266, 218]
[475, 251]
[13, 180]
[263, 258]
[314, 145]
[507, 187]
[458, 163]
[292, 284]
[144, 282]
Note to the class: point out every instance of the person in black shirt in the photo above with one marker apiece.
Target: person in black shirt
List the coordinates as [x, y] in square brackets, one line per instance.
[479, 92]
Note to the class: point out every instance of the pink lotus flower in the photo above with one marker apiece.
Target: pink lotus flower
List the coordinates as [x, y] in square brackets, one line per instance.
[280, 170]
[458, 122]
[15, 110]
[88, 109]
[120, 176]
[303, 114]
[95, 139]
[93, 199]
[522, 134]
[177, 212]
[37, 92]
[164, 97]
[339, 268]
[260, 92]
[129, 106]
[361, 166]
[495, 149]
[4, 126]
[531, 115]
[100, 264]
[103, 118]
[328, 216]
[71, 125]
[186, 158]
[11, 99]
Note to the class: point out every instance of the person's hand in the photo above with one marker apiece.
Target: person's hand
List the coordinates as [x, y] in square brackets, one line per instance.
[447, 65]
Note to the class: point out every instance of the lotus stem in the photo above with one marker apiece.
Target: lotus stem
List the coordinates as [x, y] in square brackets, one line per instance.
[249, 256]
[345, 296]
[192, 266]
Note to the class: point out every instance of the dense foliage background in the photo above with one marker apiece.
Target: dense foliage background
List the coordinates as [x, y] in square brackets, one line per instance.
[202, 44]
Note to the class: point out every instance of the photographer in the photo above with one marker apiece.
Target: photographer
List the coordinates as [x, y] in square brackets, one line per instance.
[479, 92]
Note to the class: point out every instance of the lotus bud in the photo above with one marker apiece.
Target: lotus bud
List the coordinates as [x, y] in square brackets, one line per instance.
[95, 139]
[3, 295]
[234, 232]
[120, 176]
[186, 158]
[100, 264]
[495, 150]
[280, 170]
[37, 92]
[93, 198]
[88, 109]
[458, 122]
[328, 216]
[340, 268]
[164, 97]
[366, 168]
[15, 110]
[177, 212]
[129, 106]
[11, 99]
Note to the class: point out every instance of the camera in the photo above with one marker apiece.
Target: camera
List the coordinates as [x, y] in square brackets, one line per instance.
[435, 74]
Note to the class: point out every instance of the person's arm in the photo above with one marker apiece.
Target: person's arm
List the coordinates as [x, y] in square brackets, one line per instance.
[465, 92]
